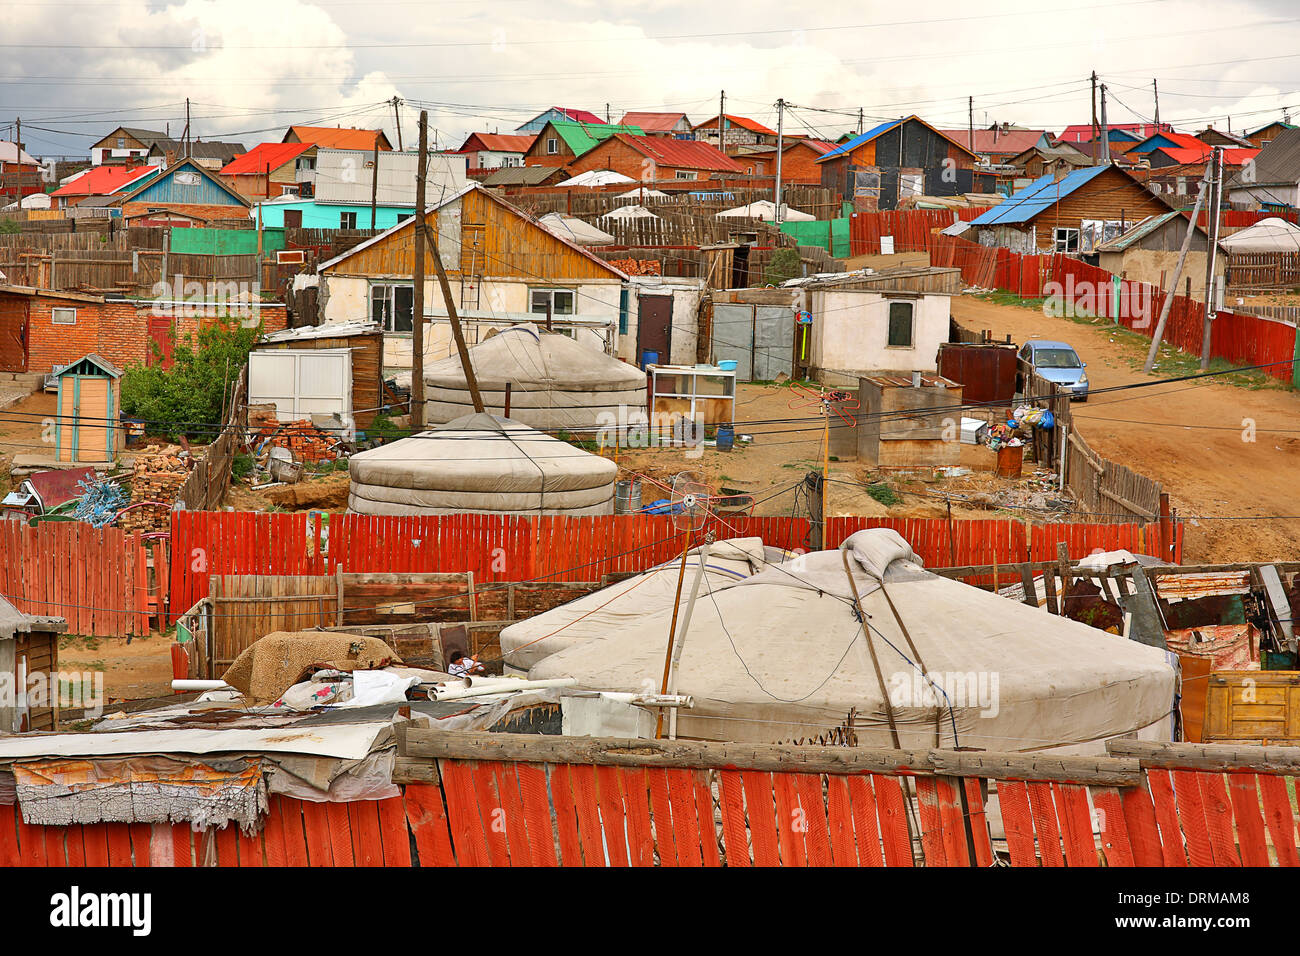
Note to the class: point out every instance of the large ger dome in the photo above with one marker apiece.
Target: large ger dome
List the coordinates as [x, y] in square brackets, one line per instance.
[480, 463]
[555, 382]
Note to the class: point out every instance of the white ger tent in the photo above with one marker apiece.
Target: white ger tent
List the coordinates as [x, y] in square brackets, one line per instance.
[526, 642]
[782, 655]
[1267, 235]
[598, 177]
[555, 382]
[765, 209]
[482, 464]
[575, 230]
[635, 211]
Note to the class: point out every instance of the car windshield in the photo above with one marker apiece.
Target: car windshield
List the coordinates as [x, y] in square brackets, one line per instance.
[1056, 358]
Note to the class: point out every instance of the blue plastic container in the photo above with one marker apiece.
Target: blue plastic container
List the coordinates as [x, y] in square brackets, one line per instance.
[649, 358]
[726, 437]
[727, 365]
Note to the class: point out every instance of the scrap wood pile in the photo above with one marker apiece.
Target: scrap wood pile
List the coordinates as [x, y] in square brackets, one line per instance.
[305, 441]
[638, 267]
[155, 483]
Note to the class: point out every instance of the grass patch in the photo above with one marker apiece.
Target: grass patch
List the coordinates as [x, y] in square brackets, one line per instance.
[1010, 298]
[886, 495]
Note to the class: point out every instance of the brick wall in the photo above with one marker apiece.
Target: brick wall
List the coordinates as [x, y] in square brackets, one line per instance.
[202, 211]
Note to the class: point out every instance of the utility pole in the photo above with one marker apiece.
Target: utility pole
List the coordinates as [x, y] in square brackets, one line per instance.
[860, 121]
[374, 183]
[422, 231]
[187, 127]
[1155, 89]
[1105, 130]
[780, 143]
[1173, 282]
[417, 279]
[1215, 172]
[970, 123]
[607, 114]
[397, 118]
[1094, 117]
[722, 121]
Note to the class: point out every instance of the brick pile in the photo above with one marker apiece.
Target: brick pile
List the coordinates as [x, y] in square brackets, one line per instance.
[638, 267]
[157, 478]
[304, 440]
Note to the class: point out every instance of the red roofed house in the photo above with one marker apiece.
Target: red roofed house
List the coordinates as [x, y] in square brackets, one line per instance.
[495, 150]
[558, 114]
[270, 170]
[737, 131]
[1083, 132]
[1173, 170]
[798, 160]
[101, 181]
[335, 137]
[669, 125]
[648, 159]
[997, 144]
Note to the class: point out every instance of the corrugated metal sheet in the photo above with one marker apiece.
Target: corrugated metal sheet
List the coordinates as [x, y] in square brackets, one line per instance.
[683, 153]
[344, 176]
[1041, 194]
[857, 141]
[1189, 587]
[264, 157]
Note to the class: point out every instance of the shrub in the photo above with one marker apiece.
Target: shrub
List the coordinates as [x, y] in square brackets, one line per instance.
[884, 494]
[784, 264]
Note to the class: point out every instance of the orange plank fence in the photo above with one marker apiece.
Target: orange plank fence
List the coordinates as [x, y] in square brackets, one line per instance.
[692, 804]
[506, 548]
[96, 578]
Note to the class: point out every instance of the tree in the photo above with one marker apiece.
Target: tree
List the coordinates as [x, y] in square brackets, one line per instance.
[784, 264]
[187, 399]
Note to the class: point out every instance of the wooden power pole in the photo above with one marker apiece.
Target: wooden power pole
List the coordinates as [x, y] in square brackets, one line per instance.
[1214, 186]
[1173, 282]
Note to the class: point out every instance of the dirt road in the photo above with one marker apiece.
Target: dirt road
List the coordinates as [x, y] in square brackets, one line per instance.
[1221, 451]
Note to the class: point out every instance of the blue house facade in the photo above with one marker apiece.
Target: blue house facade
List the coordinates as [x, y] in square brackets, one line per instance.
[309, 214]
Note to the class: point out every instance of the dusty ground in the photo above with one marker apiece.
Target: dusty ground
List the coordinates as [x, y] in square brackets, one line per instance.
[132, 671]
[22, 432]
[1193, 437]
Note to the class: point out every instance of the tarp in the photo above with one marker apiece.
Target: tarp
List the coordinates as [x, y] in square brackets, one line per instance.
[555, 382]
[630, 212]
[481, 464]
[526, 642]
[574, 230]
[765, 209]
[782, 655]
[272, 664]
[1267, 235]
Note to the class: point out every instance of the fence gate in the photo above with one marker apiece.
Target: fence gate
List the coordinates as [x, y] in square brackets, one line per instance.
[760, 339]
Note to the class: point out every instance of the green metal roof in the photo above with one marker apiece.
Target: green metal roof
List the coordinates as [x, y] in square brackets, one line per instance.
[581, 137]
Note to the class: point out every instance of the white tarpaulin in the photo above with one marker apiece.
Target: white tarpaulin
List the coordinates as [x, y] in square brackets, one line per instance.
[782, 655]
[598, 177]
[554, 382]
[765, 209]
[1267, 235]
[526, 642]
[574, 230]
[630, 212]
[480, 464]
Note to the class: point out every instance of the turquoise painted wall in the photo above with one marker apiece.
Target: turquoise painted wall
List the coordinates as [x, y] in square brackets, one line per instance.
[329, 217]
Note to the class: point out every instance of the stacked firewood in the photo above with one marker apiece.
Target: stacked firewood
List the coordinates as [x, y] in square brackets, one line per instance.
[307, 442]
[157, 479]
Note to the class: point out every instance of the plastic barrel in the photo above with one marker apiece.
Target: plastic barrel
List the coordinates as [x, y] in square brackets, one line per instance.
[627, 496]
[1010, 460]
[726, 437]
[649, 358]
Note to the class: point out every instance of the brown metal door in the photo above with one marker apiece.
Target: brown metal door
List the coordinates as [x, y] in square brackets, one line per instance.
[654, 325]
[13, 335]
[293, 219]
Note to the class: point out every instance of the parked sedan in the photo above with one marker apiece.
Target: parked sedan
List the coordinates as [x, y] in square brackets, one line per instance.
[1060, 363]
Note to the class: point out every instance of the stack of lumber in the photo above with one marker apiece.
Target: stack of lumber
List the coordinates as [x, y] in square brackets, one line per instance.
[156, 478]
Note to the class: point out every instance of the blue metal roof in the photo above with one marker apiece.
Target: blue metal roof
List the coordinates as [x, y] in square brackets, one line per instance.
[857, 141]
[1037, 196]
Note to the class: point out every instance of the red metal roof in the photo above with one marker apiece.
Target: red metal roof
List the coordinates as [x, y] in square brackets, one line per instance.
[265, 156]
[579, 116]
[1082, 132]
[652, 122]
[1011, 142]
[104, 180]
[682, 153]
[333, 137]
[744, 122]
[1191, 156]
[498, 142]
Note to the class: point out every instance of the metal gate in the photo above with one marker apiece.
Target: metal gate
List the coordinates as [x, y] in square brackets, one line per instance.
[759, 339]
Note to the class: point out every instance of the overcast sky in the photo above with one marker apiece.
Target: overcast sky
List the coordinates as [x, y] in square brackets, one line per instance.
[75, 69]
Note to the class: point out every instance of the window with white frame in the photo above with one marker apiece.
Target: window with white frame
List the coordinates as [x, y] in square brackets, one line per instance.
[686, 174]
[392, 305]
[1065, 240]
[560, 301]
[347, 220]
[902, 314]
[63, 316]
[552, 145]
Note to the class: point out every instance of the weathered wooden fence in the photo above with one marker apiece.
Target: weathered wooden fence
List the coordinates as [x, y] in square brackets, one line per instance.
[473, 799]
[1263, 271]
[96, 578]
[205, 487]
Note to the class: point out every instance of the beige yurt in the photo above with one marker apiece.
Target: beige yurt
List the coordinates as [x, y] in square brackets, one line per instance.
[555, 382]
[480, 464]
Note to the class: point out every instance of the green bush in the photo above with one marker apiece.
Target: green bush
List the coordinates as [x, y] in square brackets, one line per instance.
[385, 430]
[241, 466]
[785, 264]
[187, 398]
[884, 494]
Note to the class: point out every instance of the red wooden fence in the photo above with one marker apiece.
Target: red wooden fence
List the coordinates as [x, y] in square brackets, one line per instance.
[1236, 337]
[96, 578]
[504, 548]
[494, 813]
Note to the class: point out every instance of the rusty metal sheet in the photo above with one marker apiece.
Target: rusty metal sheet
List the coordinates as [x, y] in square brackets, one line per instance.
[1189, 587]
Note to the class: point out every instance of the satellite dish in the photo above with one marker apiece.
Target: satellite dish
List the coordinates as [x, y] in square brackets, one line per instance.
[690, 501]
